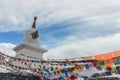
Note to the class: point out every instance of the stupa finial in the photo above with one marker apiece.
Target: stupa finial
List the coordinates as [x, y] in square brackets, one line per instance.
[34, 23]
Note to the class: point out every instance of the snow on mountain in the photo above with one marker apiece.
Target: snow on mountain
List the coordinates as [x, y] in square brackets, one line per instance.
[7, 48]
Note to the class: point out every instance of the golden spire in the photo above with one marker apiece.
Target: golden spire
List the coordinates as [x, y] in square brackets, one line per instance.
[34, 23]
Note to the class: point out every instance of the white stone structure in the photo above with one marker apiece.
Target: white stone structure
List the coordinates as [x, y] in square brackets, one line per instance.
[30, 47]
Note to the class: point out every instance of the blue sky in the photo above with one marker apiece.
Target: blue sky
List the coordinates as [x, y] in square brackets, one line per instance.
[68, 28]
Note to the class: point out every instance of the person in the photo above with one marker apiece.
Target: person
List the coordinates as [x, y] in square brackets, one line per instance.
[73, 77]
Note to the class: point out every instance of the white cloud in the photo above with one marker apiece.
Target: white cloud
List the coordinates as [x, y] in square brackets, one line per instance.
[74, 47]
[6, 48]
[18, 14]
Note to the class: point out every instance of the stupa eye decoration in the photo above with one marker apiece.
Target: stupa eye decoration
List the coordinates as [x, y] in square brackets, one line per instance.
[35, 34]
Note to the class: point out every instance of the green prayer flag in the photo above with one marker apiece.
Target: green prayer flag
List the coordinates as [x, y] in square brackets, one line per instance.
[114, 69]
[86, 58]
[118, 58]
[104, 64]
[75, 70]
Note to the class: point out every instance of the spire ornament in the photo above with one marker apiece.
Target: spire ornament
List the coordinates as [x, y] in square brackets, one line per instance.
[34, 23]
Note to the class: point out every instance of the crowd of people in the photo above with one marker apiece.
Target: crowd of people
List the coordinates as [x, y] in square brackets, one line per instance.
[12, 76]
[15, 76]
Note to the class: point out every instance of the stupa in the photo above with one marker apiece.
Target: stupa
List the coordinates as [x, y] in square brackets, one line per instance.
[30, 47]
